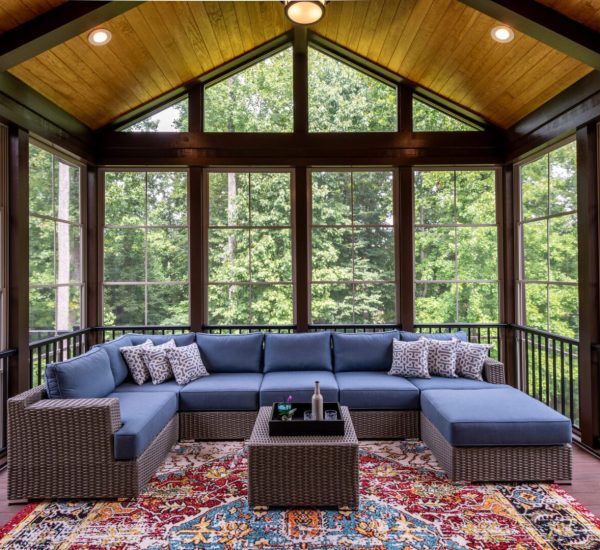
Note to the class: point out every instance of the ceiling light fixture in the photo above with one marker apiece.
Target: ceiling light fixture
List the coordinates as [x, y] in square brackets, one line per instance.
[304, 12]
[503, 34]
[99, 37]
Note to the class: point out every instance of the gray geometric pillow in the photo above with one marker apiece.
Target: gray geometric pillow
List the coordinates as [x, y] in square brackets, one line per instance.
[410, 359]
[157, 362]
[442, 357]
[186, 363]
[470, 359]
[134, 357]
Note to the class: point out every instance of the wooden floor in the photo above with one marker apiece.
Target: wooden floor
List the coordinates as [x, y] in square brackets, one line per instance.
[585, 487]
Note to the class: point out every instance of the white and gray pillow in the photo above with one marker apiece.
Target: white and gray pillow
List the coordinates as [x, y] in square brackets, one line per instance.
[470, 359]
[157, 363]
[442, 357]
[186, 363]
[135, 359]
[410, 359]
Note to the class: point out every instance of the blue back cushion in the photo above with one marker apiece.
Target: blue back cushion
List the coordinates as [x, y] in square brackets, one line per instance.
[88, 375]
[363, 352]
[414, 336]
[231, 352]
[298, 352]
[117, 362]
[157, 339]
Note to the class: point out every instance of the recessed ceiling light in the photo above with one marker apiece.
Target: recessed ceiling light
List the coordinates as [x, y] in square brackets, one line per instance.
[99, 37]
[304, 12]
[503, 34]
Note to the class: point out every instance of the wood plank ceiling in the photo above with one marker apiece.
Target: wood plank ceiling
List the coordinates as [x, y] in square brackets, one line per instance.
[442, 45]
[16, 12]
[583, 11]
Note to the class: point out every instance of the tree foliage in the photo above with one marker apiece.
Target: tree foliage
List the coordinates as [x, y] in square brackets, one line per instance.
[429, 119]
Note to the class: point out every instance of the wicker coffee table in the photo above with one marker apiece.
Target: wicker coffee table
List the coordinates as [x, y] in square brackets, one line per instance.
[315, 471]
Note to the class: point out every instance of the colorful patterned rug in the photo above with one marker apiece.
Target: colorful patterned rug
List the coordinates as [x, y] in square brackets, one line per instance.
[198, 500]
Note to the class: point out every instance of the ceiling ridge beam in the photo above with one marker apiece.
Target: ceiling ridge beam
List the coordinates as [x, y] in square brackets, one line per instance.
[545, 25]
[55, 27]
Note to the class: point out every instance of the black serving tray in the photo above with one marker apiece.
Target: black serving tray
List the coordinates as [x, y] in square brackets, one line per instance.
[299, 426]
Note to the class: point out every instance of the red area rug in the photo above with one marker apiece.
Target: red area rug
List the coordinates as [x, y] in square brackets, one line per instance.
[198, 500]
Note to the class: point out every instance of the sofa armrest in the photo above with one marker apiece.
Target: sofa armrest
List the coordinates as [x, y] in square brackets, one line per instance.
[493, 371]
[52, 431]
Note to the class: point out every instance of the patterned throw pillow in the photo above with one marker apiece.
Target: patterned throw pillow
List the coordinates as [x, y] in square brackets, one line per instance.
[470, 359]
[186, 363]
[134, 357]
[442, 357]
[157, 363]
[410, 359]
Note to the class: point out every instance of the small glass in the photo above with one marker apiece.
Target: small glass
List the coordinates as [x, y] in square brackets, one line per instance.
[308, 415]
[331, 415]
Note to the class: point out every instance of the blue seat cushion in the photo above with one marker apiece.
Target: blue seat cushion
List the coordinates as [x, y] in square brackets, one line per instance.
[298, 352]
[224, 391]
[231, 352]
[143, 415]
[363, 352]
[131, 387]
[376, 390]
[157, 339]
[443, 383]
[503, 416]
[88, 375]
[117, 362]
[444, 336]
[276, 386]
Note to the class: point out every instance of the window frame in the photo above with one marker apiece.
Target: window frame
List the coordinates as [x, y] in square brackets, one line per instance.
[66, 158]
[521, 282]
[498, 226]
[102, 227]
[394, 171]
[206, 227]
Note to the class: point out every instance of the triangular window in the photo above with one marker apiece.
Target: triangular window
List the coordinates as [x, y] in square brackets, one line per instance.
[173, 118]
[429, 119]
[344, 99]
[259, 98]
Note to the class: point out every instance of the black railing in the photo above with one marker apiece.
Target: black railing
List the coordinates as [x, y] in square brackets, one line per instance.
[112, 332]
[548, 368]
[246, 329]
[4, 372]
[351, 328]
[57, 348]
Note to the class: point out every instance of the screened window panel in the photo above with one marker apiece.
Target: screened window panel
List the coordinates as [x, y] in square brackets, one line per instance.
[259, 98]
[250, 248]
[456, 246]
[352, 247]
[174, 118]
[146, 245]
[549, 254]
[427, 118]
[344, 99]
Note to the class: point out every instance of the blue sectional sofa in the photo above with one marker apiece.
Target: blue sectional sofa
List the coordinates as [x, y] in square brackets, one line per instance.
[108, 434]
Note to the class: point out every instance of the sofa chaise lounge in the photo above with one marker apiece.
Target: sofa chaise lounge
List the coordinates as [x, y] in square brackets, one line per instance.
[91, 432]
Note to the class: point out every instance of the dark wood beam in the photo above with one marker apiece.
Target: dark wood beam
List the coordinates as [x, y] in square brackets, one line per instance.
[301, 80]
[387, 149]
[197, 249]
[55, 27]
[546, 25]
[302, 252]
[404, 225]
[559, 117]
[93, 202]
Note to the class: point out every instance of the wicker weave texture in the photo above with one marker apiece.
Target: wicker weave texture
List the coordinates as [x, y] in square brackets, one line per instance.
[302, 471]
[503, 464]
[217, 425]
[64, 449]
[494, 371]
[386, 424]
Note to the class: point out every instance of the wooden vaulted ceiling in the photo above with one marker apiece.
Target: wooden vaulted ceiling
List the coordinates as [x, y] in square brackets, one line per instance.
[442, 45]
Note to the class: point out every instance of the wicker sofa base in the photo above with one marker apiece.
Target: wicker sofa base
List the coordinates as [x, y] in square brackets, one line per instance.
[505, 464]
[385, 424]
[216, 425]
[102, 479]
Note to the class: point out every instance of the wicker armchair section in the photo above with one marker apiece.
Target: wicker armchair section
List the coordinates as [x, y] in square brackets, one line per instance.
[501, 464]
[63, 448]
[216, 425]
[385, 424]
[494, 371]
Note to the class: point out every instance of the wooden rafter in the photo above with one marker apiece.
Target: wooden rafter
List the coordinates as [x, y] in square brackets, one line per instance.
[55, 27]
[546, 25]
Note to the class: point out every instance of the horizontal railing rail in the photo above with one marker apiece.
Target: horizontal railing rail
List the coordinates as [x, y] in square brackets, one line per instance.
[118, 330]
[244, 329]
[352, 328]
[548, 367]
